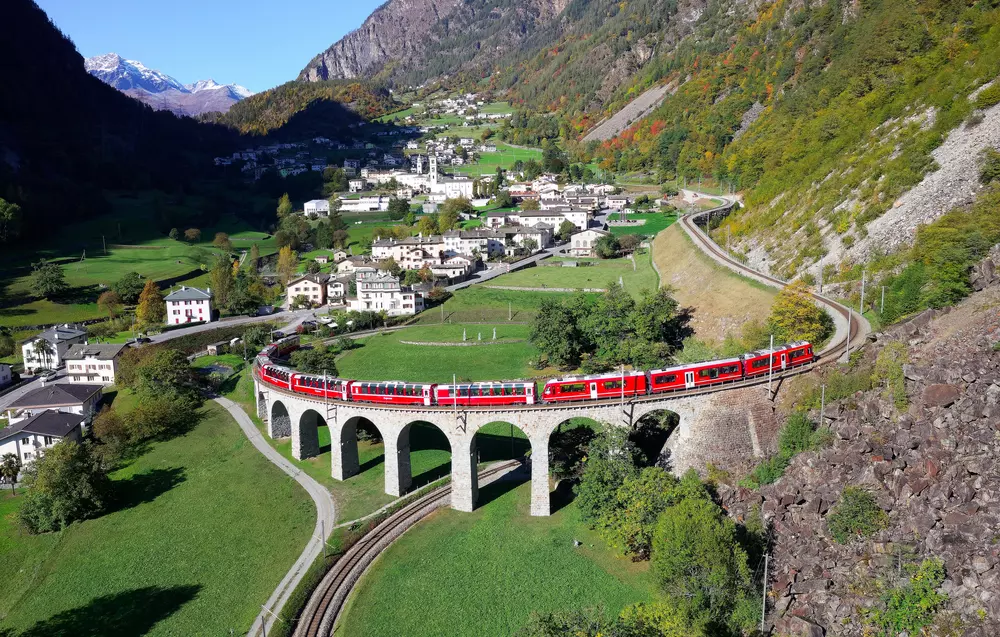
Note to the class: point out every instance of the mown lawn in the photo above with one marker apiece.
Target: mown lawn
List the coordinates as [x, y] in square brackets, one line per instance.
[483, 573]
[596, 276]
[655, 222]
[504, 158]
[206, 530]
[478, 304]
[386, 357]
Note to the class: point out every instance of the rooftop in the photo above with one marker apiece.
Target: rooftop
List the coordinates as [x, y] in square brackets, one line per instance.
[189, 294]
[59, 333]
[47, 423]
[56, 395]
[104, 352]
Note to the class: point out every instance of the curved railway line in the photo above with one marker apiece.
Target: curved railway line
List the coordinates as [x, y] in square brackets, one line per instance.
[327, 601]
[321, 613]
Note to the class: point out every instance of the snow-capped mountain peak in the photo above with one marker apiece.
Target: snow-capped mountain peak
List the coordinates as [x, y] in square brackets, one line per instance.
[134, 78]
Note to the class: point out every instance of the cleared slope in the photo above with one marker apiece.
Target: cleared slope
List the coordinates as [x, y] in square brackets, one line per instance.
[723, 301]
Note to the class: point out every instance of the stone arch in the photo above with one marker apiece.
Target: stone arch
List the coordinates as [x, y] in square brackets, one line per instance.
[415, 436]
[305, 435]
[654, 433]
[498, 441]
[344, 454]
[262, 406]
[279, 422]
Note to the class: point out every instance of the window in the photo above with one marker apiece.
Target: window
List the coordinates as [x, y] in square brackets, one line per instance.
[49, 440]
[571, 388]
[759, 364]
[612, 384]
[665, 378]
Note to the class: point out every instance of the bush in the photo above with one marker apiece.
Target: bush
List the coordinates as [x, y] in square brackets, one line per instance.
[988, 97]
[799, 434]
[889, 373]
[911, 606]
[65, 484]
[857, 515]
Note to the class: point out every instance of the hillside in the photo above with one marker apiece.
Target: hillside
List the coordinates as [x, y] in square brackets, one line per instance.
[57, 154]
[309, 108]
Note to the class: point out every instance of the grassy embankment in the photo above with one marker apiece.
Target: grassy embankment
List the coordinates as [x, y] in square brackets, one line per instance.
[532, 565]
[205, 530]
[723, 300]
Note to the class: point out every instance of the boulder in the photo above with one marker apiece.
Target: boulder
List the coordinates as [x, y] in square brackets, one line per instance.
[941, 395]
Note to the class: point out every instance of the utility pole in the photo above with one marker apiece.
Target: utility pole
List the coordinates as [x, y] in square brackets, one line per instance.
[770, 367]
[822, 404]
[623, 392]
[864, 276]
[820, 279]
[763, 604]
[510, 315]
[105, 243]
[881, 308]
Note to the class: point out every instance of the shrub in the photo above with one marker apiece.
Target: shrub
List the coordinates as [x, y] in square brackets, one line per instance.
[911, 606]
[65, 484]
[857, 515]
[988, 97]
[889, 373]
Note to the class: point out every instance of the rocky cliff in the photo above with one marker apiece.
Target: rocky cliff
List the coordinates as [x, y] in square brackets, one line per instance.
[934, 470]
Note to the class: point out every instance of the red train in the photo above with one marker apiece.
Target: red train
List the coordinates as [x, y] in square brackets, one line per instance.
[574, 388]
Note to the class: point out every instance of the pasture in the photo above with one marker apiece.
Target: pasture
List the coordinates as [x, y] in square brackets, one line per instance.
[191, 548]
[533, 563]
[589, 274]
[503, 158]
[656, 222]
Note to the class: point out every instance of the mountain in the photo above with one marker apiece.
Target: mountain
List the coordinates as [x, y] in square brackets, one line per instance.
[58, 156]
[161, 91]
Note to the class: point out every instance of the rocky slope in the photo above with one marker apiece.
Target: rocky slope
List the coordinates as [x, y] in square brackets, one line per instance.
[935, 470]
[162, 91]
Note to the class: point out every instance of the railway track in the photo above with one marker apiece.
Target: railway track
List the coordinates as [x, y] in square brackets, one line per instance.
[324, 606]
[858, 327]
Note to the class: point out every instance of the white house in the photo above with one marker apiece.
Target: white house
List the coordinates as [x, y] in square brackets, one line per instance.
[582, 243]
[189, 305]
[377, 291]
[311, 286]
[29, 438]
[57, 340]
[93, 363]
[317, 206]
[81, 400]
[338, 287]
[486, 242]
[616, 202]
[356, 185]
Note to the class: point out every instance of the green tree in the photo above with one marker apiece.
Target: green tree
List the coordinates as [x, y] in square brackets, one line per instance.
[530, 204]
[313, 266]
[530, 245]
[192, 235]
[428, 225]
[629, 522]
[607, 247]
[10, 221]
[503, 199]
[63, 485]
[7, 344]
[611, 460]
[48, 280]
[284, 206]
[315, 361]
[532, 169]
[174, 234]
[256, 337]
[398, 208]
[795, 317]
[129, 287]
[698, 561]
[556, 333]
[151, 309]
[566, 230]
[10, 468]
[221, 276]
[254, 257]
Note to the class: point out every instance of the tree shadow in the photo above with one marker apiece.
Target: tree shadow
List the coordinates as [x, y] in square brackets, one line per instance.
[133, 612]
[145, 487]
[562, 496]
[494, 447]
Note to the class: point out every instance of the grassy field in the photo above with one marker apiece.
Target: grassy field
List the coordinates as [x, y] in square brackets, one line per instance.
[98, 252]
[205, 530]
[722, 299]
[656, 222]
[385, 357]
[596, 276]
[478, 304]
[504, 158]
[488, 570]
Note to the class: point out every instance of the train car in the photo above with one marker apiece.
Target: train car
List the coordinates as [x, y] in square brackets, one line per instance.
[311, 384]
[275, 375]
[780, 358]
[594, 387]
[285, 346]
[487, 393]
[391, 392]
[695, 375]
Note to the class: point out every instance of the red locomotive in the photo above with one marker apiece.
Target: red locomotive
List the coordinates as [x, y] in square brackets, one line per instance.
[517, 393]
[595, 387]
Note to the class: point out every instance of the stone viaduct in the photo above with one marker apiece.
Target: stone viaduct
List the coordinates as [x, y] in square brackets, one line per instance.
[728, 425]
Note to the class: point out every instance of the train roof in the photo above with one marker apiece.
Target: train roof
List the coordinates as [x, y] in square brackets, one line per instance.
[389, 382]
[689, 366]
[609, 376]
[779, 348]
[487, 382]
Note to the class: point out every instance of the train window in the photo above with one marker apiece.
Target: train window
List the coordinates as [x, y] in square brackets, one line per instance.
[711, 372]
[574, 387]
[665, 378]
[758, 364]
[729, 369]
[612, 384]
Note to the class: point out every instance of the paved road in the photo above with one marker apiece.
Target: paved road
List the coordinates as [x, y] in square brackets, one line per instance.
[293, 318]
[326, 516]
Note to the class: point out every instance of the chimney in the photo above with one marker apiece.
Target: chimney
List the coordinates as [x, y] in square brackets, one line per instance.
[208, 290]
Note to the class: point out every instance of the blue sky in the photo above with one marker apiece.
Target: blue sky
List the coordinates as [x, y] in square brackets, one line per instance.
[256, 43]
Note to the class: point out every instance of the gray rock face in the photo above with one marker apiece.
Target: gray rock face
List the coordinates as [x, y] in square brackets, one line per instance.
[933, 469]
